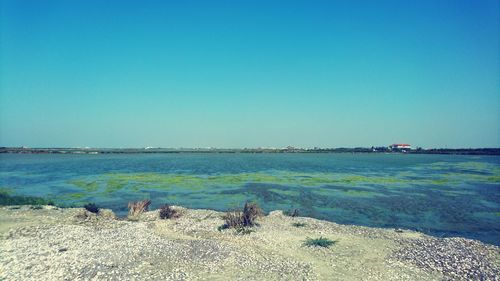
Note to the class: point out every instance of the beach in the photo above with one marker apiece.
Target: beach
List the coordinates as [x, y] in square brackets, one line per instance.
[249, 140]
[51, 243]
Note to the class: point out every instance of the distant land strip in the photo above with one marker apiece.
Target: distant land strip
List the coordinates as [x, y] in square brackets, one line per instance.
[458, 151]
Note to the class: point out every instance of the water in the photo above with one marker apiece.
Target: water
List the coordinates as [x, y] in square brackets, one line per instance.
[442, 195]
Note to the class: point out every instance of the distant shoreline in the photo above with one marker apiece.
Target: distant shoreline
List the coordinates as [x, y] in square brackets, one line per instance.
[372, 150]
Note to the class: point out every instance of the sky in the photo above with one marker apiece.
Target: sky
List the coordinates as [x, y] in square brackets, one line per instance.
[239, 74]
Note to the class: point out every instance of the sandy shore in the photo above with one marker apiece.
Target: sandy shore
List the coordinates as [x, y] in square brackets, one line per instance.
[50, 243]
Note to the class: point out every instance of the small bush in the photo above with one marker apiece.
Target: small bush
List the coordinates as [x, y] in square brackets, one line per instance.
[91, 207]
[247, 217]
[292, 213]
[233, 219]
[251, 211]
[319, 242]
[299, 224]
[167, 212]
[139, 207]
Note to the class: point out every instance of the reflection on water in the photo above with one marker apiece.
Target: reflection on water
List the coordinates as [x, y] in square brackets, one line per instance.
[438, 194]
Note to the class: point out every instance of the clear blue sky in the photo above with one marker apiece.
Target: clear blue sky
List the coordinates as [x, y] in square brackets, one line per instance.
[249, 73]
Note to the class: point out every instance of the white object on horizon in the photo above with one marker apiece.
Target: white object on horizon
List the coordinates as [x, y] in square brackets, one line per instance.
[400, 146]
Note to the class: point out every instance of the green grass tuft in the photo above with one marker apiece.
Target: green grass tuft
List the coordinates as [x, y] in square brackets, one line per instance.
[319, 242]
[244, 230]
[299, 224]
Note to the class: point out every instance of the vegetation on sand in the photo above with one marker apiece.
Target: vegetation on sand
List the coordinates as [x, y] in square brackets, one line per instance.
[245, 218]
[319, 242]
[167, 212]
[292, 213]
[232, 219]
[91, 207]
[244, 230]
[138, 207]
[251, 211]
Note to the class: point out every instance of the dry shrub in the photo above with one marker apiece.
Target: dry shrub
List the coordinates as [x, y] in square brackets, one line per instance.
[137, 208]
[251, 211]
[247, 217]
[86, 216]
[233, 219]
[167, 212]
[292, 213]
[91, 207]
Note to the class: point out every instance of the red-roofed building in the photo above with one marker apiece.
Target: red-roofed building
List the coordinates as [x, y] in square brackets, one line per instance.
[400, 146]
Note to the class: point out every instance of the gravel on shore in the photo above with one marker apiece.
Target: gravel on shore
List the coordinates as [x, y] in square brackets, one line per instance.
[49, 243]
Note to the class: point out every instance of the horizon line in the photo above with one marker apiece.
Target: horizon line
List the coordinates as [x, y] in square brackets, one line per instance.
[235, 148]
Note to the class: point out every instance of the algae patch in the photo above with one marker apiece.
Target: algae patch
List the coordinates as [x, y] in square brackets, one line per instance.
[87, 185]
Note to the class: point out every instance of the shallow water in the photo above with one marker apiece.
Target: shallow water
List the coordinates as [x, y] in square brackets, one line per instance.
[442, 195]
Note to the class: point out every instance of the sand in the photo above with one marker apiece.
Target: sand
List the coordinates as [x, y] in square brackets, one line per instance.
[50, 243]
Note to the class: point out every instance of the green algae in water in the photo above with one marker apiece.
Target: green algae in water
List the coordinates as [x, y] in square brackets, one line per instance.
[282, 188]
[375, 190]
[456, 178]
[139, 181]
[458, 192]
[72, 196]
[285, 192]
[493, 179]
[113, 185]
[359, 193]
[6, 190]
[197, 182]
[345, 192]
[87, 185]
[8, 199]
[470, 166]
[440, 181]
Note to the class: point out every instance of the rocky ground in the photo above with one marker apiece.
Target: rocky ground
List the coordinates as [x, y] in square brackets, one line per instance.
[49, 243]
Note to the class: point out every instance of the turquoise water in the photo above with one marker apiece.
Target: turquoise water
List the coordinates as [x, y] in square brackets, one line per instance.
[443, 195]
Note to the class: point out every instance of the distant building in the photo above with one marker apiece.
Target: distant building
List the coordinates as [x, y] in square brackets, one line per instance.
[400, 146]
